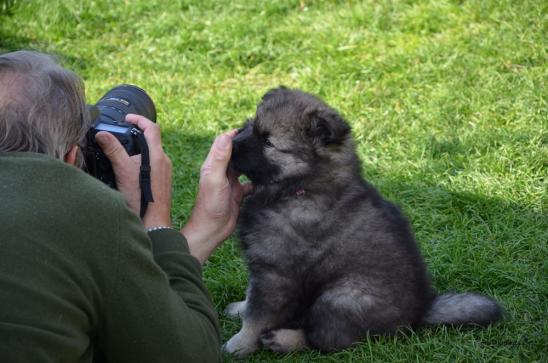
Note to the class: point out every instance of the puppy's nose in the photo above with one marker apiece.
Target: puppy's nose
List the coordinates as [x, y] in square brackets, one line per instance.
[242, 134]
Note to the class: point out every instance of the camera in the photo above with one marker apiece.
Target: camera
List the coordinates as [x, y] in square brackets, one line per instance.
[109, 114]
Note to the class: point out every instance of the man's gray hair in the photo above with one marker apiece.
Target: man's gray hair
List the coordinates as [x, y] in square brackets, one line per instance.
[42, 105]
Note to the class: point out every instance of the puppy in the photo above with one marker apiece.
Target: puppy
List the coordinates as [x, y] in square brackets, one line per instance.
[330, 261]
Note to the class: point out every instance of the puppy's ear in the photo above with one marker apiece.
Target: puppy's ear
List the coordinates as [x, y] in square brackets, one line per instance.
[326, 126]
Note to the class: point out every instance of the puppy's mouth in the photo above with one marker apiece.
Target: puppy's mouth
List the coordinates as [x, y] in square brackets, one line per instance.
[234, 166]
[248, 158]
[257, 175]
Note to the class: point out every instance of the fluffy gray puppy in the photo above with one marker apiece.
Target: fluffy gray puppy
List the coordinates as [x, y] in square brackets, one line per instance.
[330, 261]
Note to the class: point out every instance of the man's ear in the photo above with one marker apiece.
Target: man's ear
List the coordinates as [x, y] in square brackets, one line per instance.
[326, 127]
[72, 155]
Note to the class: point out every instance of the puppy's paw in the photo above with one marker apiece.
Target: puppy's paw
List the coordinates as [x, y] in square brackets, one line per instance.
[241, 345]
[284, 340]
[236, 309]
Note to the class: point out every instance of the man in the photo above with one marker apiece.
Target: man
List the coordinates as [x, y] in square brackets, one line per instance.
[82, 278]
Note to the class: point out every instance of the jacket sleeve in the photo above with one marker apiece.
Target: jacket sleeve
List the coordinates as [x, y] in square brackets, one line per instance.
[158, 309]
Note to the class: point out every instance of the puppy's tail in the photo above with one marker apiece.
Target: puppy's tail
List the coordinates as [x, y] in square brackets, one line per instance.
[464, 309]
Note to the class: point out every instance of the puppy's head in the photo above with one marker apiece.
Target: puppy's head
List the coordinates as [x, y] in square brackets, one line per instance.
[291, 133]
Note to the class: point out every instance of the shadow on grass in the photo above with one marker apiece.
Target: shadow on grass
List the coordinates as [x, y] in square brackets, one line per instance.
[471, 242]
[10, 42]
[458, 231]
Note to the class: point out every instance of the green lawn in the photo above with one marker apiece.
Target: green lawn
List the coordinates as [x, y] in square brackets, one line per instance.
[448, 104]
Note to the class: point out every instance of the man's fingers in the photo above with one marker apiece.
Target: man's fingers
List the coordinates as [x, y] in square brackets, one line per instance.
[141, 121]
[112, 148]
[150, 129]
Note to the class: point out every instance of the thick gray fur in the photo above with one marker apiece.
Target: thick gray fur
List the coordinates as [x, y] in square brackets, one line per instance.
[327, 255]
[462, 309]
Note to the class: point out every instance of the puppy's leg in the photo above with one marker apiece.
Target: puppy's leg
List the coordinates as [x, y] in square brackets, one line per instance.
[284, 340]
[236, 309]
[246, 340]
[271, 300]
[345, 315]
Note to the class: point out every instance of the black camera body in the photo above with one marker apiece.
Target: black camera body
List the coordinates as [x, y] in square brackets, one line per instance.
[109, 115]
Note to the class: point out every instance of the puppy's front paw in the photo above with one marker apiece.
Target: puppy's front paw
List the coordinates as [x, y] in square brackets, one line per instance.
[283, 340]
[236, 309]
[241, 345]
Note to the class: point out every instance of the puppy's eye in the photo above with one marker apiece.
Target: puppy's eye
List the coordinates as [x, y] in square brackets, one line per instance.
[266, 139]
[267, 142]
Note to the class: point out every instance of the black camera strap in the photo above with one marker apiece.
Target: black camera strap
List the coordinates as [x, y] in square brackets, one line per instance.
[144, 174]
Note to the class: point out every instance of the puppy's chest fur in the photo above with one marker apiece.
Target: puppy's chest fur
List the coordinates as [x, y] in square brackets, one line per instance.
[289, 228]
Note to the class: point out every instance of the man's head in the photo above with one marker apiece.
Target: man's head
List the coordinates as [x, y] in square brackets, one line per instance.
[42, 105]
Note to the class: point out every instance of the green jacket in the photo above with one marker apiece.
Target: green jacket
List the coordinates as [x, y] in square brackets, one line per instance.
[78, 274]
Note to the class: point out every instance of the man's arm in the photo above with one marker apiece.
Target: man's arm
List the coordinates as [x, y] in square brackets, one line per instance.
[157, 308]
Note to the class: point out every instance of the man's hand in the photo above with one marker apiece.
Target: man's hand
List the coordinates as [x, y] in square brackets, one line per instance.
[126, 170]
[217, 205]
[218, 202]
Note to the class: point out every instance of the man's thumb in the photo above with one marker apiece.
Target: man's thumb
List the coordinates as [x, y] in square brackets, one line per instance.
[214, 168]
[222, 146]
[112, 148]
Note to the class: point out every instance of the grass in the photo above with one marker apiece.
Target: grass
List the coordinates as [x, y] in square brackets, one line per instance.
[448, 104]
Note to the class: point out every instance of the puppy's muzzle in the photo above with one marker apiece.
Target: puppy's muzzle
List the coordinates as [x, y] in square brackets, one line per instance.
[242, 134]
[237, 142]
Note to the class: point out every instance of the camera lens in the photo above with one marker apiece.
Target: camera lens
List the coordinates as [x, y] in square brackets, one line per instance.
[124, 99]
